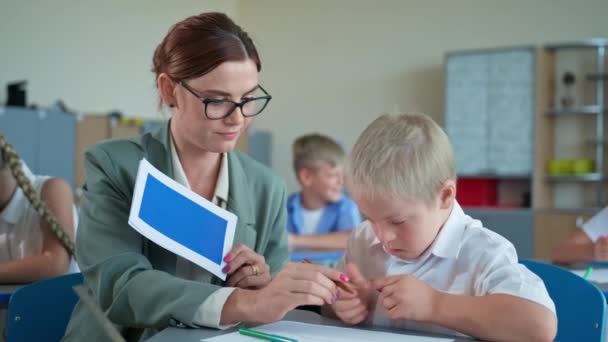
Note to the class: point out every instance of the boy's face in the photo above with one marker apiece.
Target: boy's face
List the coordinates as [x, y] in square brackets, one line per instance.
[325, 180]
[406, 228]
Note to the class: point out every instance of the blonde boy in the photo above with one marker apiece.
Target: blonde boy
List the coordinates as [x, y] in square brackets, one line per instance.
[418, 261]
[320, 215]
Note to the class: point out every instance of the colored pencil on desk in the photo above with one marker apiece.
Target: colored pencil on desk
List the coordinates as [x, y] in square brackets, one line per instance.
[265, 336]
[588, 273]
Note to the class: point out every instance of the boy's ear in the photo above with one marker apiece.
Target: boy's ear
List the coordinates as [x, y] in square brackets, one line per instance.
[305, 176]
[447, 194]
[166, 89]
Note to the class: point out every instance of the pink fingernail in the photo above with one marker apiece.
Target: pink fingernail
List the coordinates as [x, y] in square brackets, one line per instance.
[227, 258]
[333, 300]
[226, 269]
[344, 278]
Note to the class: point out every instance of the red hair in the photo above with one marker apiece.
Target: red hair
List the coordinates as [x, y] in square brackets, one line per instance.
[198, 44]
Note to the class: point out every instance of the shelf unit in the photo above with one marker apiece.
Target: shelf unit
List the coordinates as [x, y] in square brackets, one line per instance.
[548, 114]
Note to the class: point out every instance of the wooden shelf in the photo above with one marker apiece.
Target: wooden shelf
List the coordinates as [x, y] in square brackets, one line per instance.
[584, 177]
[583, 110]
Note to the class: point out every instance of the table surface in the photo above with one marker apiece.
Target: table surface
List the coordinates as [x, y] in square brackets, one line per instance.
[5, 293]
[195, 335]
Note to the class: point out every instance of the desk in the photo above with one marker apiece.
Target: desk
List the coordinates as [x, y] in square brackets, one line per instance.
[5, 293]
[599, 276]
[317, 255]
[195, 335]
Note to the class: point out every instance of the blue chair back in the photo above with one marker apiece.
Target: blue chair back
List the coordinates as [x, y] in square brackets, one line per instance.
[580, 305]
[41, 311]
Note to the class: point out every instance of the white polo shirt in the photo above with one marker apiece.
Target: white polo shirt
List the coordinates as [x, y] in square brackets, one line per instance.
[20, 232]
[465, 259]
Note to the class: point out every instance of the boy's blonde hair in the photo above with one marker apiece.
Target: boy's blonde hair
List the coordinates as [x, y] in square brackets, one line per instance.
[407, 155]
[310, 149]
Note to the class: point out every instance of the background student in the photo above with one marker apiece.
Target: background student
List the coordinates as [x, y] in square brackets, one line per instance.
[320, 215]
[587, 243]
[30, 248]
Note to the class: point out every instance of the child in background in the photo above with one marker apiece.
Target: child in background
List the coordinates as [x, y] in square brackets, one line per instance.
[29, 249]
[418, 261]
[588, 243]
[321, 215]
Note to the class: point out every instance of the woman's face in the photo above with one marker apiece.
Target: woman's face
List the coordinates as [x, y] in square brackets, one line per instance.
[233, 81]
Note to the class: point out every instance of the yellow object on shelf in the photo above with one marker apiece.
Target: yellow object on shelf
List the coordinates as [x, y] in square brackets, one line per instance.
[583, 166]
[560, 167]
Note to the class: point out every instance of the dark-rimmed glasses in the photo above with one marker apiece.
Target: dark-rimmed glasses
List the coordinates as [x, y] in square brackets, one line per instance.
[216, 109]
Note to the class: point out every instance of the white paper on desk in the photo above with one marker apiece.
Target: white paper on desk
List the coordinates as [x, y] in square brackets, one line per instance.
[598, 275]
[597, 225]
[180, 220]
[304, 332]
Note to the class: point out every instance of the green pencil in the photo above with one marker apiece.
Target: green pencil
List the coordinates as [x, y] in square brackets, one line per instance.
[265, 336]
[588, 273]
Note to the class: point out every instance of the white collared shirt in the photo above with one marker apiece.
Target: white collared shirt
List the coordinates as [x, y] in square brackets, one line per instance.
[20, 231]
[465, 259]
[210, 311]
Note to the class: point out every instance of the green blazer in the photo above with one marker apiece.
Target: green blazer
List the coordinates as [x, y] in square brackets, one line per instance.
[132, 278]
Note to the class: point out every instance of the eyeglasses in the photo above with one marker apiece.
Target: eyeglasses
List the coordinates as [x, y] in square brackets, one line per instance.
[216, 109]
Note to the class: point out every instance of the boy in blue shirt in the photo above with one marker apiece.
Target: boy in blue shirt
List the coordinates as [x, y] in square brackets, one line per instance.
[321, 215]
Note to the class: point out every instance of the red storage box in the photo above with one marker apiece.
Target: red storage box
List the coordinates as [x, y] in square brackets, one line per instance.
[477, 192]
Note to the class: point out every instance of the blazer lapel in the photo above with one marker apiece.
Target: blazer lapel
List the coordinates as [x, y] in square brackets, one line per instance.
[240, 203]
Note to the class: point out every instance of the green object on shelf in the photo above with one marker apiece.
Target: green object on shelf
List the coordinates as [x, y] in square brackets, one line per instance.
[560, 167]
[583, 166]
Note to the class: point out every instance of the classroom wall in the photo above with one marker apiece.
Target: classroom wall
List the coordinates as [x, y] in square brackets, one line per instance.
[95, 55]
[333, 66]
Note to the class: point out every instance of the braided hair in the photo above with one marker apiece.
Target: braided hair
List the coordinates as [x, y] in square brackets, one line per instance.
[10, 156]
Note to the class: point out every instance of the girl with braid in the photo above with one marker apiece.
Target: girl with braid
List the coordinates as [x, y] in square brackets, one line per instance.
[37, 225]
[30, 245]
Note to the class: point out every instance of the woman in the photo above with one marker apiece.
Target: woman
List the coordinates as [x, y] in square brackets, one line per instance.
[207, 74]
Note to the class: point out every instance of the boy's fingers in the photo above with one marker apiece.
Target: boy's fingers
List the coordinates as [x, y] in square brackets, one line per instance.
[381, 283]
[355, 276]
[348, 304]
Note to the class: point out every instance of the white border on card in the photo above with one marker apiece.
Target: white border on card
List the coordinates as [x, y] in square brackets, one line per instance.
[145, 169]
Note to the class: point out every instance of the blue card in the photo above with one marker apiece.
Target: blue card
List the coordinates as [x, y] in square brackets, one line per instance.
[180, 220]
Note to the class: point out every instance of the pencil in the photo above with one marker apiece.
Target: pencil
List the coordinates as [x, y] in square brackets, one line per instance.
[265, 336]
[588, 273]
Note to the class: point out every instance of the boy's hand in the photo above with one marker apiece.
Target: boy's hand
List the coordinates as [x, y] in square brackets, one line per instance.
[600, 249]
[351, 307]
[406, 297]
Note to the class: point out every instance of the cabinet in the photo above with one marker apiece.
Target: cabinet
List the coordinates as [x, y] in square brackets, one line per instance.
[571, 126]
[490, 111]
[44, 139]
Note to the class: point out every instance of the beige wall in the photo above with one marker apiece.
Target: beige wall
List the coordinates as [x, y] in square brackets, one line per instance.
[96, 55]
[332, 66]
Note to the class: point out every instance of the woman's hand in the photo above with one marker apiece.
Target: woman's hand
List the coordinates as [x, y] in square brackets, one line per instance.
[295, 285]
[600, 249]
[246, 268]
